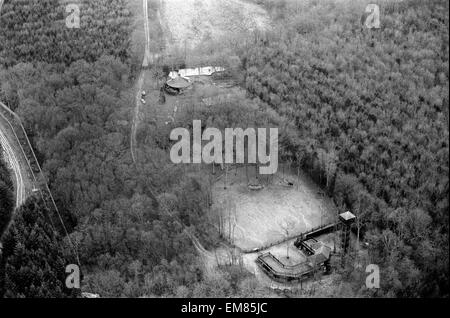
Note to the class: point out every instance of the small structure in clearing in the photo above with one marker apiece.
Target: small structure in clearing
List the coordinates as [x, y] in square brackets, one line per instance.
[180, 80]
[280, 271]
[346, 219]
[309, 246]
[318, 254]
[177, 85]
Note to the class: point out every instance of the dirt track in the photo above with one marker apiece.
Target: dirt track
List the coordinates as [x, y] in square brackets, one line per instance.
[140, 82]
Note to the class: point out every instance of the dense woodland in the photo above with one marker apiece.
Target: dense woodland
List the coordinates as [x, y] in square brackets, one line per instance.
[6, 196]
[370, 110]
[365, 112]
[35, 30]
[128, 222]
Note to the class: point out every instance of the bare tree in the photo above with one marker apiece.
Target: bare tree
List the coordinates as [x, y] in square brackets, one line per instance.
[288, 226]
[328, 164]
[359, 210]
[230, 206]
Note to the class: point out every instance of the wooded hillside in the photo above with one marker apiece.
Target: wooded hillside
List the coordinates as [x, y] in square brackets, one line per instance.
[370, 108]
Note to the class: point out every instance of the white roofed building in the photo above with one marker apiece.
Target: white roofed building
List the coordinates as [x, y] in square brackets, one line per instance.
[199, 71]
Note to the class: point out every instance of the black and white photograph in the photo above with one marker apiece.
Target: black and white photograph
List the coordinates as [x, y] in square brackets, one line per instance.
[242, 150]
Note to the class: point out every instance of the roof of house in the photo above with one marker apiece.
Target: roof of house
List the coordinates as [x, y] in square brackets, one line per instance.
[347, 215]
[179, 82]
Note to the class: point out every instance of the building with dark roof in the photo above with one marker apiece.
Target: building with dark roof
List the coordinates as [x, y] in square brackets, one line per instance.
[177, 85]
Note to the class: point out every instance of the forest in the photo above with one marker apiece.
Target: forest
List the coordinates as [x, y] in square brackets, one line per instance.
[370, 110]
[33, 260]
[36, 31]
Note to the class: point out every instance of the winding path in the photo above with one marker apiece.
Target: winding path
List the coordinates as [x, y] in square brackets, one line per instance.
[13, 164]
[140, 83]
[24, 180]
[136, 117]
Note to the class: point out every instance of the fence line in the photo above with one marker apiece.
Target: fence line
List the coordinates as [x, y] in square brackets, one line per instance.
[285, 239]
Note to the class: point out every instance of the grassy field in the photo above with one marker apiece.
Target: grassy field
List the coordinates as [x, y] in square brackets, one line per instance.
[257, 218]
